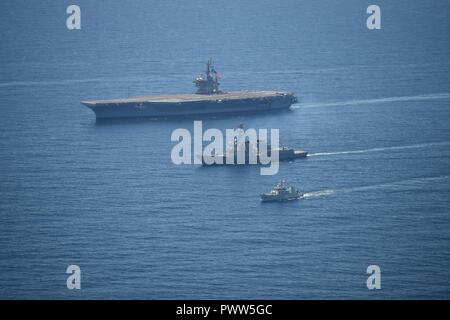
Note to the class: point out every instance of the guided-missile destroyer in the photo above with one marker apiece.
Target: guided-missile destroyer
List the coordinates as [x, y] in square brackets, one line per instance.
[243, 145]
[284, 153]
[208, 99]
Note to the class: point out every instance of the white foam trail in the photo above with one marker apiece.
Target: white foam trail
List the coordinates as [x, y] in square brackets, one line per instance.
[422, 97]
[397, 185]
[414, 146]
[49, 82]
[316, 194]
[64, 81]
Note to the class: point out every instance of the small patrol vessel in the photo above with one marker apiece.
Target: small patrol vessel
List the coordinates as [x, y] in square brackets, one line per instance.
[208, 99]
[281, 192]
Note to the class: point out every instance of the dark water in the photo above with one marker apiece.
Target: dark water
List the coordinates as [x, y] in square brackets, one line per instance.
[107, 197]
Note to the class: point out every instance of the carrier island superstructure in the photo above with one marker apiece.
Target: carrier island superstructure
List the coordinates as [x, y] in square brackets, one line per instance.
[208, 99]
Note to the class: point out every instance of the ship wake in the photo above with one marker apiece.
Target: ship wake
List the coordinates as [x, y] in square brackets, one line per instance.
[381, 149]
[423, 97]
[408, 184]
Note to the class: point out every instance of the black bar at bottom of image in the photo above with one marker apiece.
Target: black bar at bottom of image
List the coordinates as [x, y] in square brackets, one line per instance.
[226, 309]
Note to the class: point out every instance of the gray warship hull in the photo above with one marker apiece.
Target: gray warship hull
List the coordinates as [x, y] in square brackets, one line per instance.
[283, 155]
[276, 198]
[179, 105]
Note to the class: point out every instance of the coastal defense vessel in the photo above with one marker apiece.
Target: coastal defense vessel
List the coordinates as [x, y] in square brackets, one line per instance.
[281, 192]
[208, 99]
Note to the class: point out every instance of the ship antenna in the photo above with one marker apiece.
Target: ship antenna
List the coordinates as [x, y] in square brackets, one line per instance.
[208, 67]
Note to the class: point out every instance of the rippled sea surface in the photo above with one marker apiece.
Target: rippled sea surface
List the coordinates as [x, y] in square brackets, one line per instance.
[373, 111]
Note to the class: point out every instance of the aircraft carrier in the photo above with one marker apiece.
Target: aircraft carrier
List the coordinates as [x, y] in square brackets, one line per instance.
[207, 100]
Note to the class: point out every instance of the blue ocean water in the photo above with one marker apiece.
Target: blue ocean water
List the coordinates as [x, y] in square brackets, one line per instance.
[373, 112]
